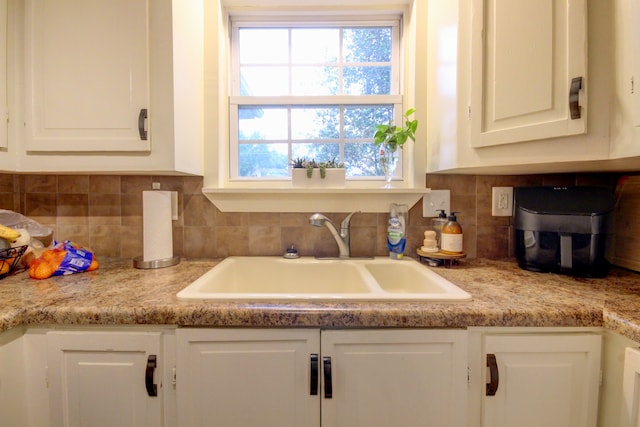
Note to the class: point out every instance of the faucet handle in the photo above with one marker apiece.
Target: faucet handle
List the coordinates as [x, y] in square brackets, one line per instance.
[347, 220]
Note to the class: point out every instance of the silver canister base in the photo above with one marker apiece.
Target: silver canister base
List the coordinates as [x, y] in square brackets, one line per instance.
[139, 262]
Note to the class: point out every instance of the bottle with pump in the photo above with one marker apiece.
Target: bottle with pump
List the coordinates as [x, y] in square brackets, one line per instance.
[437, 223]
[396, 230]
[451, 236]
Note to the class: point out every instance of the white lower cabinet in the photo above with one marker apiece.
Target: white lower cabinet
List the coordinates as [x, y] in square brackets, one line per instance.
[532, 380]
[631, 388]
[302, 377]
[13, 391]
[104, 379]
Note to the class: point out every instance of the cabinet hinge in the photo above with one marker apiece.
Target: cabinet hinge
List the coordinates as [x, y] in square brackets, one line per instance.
[469, 112]
[633, 87]
[600, 379]
[46, 376]
[468, 375]
[173, 376]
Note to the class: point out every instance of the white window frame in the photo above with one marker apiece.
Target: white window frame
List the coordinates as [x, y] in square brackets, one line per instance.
[304, 21]
[279, 196]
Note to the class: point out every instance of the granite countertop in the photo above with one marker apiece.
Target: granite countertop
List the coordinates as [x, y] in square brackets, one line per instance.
[503, 295]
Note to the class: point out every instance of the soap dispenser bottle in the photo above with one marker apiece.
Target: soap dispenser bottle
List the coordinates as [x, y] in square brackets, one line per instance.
[437, 223]
[451, 236]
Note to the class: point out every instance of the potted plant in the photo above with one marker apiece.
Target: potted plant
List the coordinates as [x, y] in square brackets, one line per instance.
[389, 137]
[309, 173]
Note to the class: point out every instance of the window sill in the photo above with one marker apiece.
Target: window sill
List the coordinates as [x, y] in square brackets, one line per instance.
[290, 199]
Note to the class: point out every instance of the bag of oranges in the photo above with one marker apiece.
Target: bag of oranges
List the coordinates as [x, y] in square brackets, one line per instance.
[62, 259]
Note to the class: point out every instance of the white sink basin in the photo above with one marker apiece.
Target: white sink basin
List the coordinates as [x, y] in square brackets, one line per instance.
[384, 279]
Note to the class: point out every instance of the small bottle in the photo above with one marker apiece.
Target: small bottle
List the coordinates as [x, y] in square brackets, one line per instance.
[437, 223]
[451, 236]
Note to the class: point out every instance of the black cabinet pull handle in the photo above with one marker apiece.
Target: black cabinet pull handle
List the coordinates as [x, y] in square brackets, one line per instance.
[152, 389]
[141, 119]
[574, 97]
[313, 379]
[328, 386]
[492, 364]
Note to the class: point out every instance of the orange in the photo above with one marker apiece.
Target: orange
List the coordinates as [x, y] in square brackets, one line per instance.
[6, 265]
[41, 269]
[94, 264]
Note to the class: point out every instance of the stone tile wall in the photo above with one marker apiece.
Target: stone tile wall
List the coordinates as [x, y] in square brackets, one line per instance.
[105, 213]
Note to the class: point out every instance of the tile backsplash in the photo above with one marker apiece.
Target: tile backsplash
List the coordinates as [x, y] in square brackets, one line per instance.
[104, 212]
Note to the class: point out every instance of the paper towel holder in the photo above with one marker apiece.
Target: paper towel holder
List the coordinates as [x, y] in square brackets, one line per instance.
[158, 261]
[139, 262]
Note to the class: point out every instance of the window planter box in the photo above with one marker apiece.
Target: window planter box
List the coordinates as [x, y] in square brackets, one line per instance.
[334, 178]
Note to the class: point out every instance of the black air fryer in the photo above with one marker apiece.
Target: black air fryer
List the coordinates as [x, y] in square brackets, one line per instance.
[565, 230]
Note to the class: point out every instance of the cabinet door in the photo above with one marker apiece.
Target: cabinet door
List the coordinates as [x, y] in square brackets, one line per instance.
[86, 64]
[104, 379]
[525, 55]
[13, 392]
[394, 378]
[635, 58]
[631, 388]
[4, 112]
[549, 381]
[247, 377]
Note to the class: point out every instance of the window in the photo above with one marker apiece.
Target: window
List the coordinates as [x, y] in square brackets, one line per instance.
[313, 89]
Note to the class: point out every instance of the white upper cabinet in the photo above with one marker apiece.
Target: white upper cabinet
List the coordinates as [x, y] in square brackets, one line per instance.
[625, 130]
[106, 86]
[498, 90]
[4, 112]
[528, 66]
[87, 65]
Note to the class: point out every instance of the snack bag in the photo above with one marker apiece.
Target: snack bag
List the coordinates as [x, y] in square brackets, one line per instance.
[62, 259]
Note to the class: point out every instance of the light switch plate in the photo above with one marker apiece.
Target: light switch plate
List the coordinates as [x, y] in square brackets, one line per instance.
[435, 200]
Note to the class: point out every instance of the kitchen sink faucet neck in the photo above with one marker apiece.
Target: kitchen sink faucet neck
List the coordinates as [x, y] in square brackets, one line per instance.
[342, 236]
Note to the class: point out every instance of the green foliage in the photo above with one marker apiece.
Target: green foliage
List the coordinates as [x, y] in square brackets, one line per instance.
[393, 136]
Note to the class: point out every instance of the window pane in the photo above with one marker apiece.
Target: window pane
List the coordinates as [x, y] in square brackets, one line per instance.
[315, 45]
[263, 160]
[264, 81]
[315, 123]
[264, 45]
[314, 80]
[262, 123]
[361, 159]
[367, 44]
[367, 80]
[360, 121]
[302, 62]
[320, 152]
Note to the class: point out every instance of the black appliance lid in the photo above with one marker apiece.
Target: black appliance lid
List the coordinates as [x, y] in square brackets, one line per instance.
[581, 200]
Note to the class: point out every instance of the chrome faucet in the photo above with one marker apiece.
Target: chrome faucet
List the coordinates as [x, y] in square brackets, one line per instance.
[342, 237]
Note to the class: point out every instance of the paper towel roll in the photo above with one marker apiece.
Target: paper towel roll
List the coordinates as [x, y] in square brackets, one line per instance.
[156, 228]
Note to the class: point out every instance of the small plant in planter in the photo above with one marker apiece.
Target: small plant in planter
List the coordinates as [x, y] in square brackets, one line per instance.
[310, 165]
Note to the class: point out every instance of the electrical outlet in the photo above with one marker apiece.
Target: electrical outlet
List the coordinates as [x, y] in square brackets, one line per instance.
[435, 200]
[501, 201]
